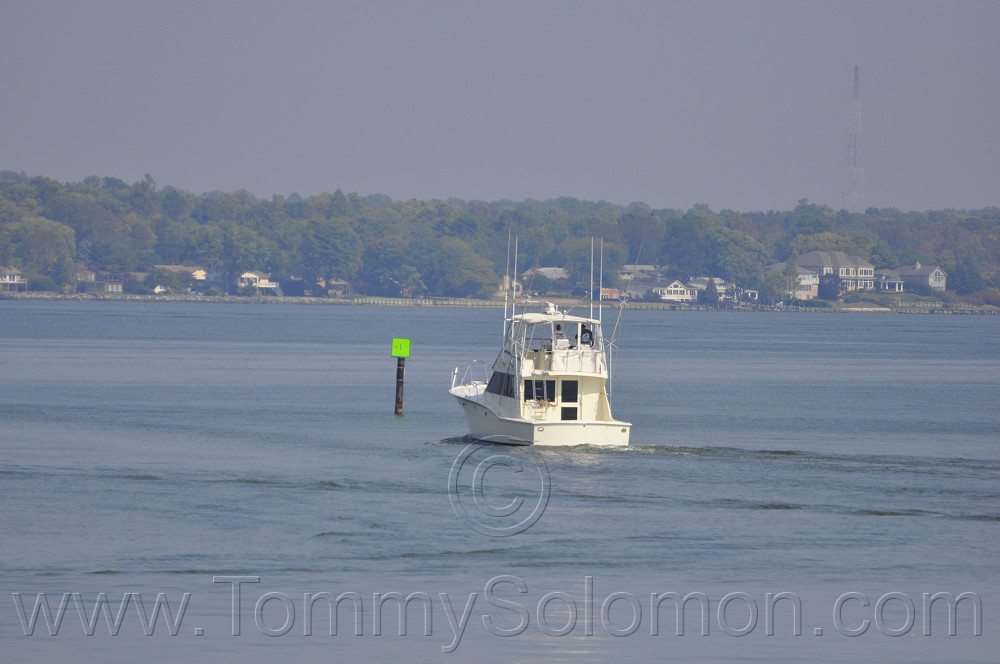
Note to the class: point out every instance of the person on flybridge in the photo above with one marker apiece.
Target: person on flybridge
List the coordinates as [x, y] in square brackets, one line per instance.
[561, 340]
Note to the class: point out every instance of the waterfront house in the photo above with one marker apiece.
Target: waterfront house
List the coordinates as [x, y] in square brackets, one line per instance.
[89, 281]
[700, 284]
[888, 280]
[191, 272]
[640, 273]
[11, 280]
[806, 284]
[336, 287]
[933, 276]
[675, 291]
[557, 275]
[259, 280]
[503, 289]
[855, 272]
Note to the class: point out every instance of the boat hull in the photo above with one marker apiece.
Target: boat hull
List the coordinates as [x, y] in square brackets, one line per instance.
[486, 425]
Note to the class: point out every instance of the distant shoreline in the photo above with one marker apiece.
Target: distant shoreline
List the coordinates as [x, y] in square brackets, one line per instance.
[245, 299]
[910, 308]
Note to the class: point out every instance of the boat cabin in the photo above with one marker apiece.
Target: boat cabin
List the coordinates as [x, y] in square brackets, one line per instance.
[562, 344]
[548, 385]
[554, 365]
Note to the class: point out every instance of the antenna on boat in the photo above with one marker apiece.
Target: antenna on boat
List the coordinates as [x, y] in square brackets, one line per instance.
[600, 287]
[508, 285]
[513, 305]
[622, 299]
[592, 276]
[534, 270]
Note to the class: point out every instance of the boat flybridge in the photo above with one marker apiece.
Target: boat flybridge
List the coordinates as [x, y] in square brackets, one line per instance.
[546, 387]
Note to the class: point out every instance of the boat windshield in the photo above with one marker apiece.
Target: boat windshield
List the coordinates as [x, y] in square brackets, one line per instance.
[549, 334]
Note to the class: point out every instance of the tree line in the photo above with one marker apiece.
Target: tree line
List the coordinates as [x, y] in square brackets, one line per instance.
[50, 230]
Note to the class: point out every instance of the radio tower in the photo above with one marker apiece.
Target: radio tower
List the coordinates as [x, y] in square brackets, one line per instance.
[854, 187]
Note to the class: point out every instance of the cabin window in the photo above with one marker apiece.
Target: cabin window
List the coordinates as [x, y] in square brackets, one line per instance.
[569, 412]
[503, 384]
[570, 389]
[543, 390]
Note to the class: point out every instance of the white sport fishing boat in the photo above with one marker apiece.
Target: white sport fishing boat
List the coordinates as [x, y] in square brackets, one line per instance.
[546, 387]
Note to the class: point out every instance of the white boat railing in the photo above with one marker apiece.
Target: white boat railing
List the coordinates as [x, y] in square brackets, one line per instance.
[475, 372]
[571, 360]
[580, 361]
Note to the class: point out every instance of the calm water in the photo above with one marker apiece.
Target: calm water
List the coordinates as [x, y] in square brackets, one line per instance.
[187, 451]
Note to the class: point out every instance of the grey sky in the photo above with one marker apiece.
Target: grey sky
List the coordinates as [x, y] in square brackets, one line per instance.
[742, 105]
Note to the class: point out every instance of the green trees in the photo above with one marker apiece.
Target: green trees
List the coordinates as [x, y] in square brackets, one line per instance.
[967, 276]
[740, 259]
[643, 235]
[689, 245]
[389, 268]
[773, 288]
[831, 287]
[39, 246]
[227, 248]
[710, 295]
[578, 252]
[699, 243]
[791, 275]
[332, 249]
[242, 250]
[453, 247]
[449, 267]
[172, 281]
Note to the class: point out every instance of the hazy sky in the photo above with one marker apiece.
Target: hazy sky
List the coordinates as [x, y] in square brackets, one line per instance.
[743, 105]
